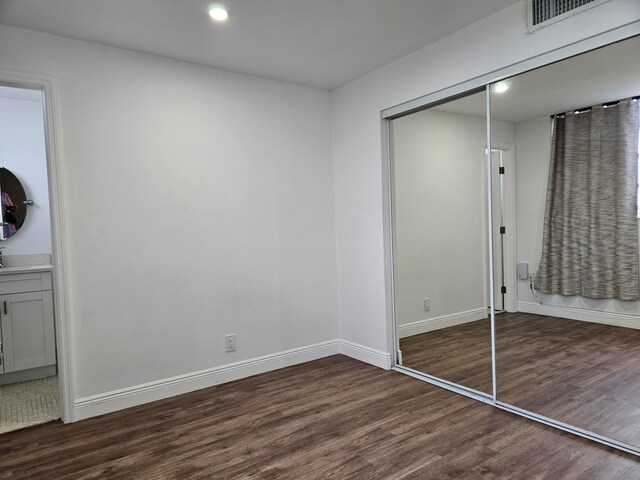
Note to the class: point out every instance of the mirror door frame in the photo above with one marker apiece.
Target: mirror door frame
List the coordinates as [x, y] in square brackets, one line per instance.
[474, 85]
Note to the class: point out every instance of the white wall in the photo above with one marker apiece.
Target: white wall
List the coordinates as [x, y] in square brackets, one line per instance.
[490, 44]
[533, 150]
[22, 150]
[198, 202]
[440, 191]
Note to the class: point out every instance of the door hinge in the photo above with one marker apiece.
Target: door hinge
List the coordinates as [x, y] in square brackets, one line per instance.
[503, 230]
[503, 289]
[501, 170]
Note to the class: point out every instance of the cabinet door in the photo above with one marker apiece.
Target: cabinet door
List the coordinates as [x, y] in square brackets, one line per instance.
[7, 334]
[27, 330]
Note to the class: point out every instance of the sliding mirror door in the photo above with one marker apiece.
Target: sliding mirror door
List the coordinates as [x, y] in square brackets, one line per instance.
[568, 347]
[440, 242]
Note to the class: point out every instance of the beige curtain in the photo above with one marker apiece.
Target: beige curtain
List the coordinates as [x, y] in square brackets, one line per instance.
[590, 236]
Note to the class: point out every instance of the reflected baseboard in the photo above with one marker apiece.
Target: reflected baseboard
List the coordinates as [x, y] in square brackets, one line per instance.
[573, 313]
[444, 321]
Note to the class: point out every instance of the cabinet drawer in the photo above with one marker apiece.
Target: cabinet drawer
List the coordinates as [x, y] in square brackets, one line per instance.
[25, 282]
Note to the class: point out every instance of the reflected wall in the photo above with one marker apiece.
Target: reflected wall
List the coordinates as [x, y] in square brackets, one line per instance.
[440, 254]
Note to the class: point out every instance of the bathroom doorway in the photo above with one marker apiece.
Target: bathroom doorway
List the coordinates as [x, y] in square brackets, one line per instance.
[29, 389]
[37, 350]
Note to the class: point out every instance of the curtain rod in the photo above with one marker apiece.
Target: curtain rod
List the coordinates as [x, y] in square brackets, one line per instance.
[588, 109]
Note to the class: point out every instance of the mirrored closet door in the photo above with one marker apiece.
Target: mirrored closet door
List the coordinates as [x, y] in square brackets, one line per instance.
[570, 350]
[441, 262]
[536, 201]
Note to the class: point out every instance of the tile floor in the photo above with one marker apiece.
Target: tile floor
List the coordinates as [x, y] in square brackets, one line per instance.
[29, 403]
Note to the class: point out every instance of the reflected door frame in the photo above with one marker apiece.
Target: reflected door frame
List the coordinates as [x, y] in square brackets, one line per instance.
[509, 257]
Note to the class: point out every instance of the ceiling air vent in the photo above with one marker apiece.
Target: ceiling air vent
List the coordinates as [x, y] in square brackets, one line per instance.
[545, 12]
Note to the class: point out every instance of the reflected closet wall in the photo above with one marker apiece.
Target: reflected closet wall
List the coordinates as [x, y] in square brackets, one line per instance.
[514, 233]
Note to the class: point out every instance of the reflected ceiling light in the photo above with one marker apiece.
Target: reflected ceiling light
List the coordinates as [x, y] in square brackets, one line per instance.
[500, 87]
[218, 12]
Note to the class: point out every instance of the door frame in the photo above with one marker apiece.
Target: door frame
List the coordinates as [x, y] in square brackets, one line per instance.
[59, 257]
[509, 216]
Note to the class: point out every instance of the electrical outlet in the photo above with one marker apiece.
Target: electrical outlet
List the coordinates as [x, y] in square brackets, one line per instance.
[427, 304]
[531, 277]
[230, 342]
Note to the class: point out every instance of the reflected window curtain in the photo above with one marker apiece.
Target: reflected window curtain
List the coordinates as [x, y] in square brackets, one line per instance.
[590, 236]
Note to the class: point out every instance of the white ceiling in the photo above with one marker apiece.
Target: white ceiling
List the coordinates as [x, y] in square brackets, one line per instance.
[319, 43]
[604, 75]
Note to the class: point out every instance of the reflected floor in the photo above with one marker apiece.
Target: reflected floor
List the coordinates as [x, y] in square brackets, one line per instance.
[580, 373]
[460, 354]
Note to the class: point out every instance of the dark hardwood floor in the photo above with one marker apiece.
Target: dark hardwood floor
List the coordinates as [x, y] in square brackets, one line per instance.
[580, 373]
[584, 374]
[331, 418]
[460, 354]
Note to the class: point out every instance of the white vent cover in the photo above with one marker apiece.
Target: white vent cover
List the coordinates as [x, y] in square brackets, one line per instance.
[545, 12]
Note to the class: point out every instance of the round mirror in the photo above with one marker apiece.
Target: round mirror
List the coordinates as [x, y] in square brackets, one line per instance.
[14, 203]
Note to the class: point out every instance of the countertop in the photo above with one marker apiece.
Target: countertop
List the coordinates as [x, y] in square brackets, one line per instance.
[26, 269]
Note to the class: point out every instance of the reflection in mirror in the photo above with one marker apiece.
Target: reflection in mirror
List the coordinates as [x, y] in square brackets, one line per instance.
[14, 203]
[440, 240]
[569, 347]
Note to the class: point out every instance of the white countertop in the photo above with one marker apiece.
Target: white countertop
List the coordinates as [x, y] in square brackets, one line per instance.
[26, 269]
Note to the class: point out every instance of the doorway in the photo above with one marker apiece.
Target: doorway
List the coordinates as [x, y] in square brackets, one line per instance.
[29, 392]
[48, 353]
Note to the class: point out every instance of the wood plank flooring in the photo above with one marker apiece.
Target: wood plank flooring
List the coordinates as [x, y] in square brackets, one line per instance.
[580, 373]
[584, 374]
[331, 418]
[460, 354]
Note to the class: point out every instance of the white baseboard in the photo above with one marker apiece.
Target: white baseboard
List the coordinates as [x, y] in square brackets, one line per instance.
[430, 324]
[149, 392]
[169, 387]
[365, 354]
[572, 313]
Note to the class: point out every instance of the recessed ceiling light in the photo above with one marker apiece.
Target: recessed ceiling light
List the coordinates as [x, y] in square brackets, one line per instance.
[218, 12]
[500, 87]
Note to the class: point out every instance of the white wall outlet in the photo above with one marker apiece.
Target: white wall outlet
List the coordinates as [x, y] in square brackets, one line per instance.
[230, 342]
[427, 304]
[531, 275]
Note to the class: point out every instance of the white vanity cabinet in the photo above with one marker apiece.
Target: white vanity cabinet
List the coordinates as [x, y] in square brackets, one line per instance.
[26, 321]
